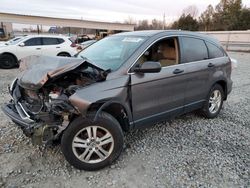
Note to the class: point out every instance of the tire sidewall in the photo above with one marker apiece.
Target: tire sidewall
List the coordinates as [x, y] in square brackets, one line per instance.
[11, 64]
[104, 120]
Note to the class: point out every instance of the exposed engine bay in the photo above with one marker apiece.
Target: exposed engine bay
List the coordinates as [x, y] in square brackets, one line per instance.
[46, 107]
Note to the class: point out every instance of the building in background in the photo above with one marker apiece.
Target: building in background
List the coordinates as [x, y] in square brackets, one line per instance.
[6, 30]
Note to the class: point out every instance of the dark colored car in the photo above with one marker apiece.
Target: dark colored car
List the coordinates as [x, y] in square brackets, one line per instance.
[2, 33]
[82, 38]
[121, 82]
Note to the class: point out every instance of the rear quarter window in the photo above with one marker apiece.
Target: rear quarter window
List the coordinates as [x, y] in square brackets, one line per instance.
[193, 49]
[214, 51]
[60, 41]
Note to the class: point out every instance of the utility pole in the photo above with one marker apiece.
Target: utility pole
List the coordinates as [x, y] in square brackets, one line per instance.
[163, 24]
[38, 32]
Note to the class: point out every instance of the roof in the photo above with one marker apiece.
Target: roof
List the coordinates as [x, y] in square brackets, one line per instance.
[45, 35]
[42, 35]
[150, 33]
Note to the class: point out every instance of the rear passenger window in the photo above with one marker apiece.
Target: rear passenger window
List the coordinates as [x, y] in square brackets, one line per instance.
[193, 50]
[33, 42]
[214, 51]
[50, 41]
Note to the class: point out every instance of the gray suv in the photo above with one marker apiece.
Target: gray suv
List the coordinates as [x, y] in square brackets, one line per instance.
[128, 80]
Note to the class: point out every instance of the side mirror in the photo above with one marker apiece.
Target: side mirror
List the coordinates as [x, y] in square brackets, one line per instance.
[149, 67]
[21, 44]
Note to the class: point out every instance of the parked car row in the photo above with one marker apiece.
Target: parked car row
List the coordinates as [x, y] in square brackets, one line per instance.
[5, 43]
[14, 50]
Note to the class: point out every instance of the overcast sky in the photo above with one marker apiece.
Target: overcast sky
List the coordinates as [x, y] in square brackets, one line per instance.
[105, 10]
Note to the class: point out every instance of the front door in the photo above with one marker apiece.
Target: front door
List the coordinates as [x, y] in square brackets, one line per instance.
[156, 96]
[32, 46]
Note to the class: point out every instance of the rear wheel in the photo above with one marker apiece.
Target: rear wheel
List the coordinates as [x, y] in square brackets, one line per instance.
[64, 54]
[89, 145]
[7, 61]
[214, 102]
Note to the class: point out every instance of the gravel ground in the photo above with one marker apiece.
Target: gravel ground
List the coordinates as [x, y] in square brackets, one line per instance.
[189, 151]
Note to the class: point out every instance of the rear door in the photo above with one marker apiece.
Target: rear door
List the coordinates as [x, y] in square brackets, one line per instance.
[156, 96]
[195, 57]
[51, 46]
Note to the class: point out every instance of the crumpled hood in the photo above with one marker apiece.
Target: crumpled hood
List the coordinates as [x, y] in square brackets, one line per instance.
[37, 70]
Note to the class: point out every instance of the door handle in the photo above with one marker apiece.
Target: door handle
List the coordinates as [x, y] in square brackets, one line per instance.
[178, 71]
[58, 47]
[38, 48]
[210, 65]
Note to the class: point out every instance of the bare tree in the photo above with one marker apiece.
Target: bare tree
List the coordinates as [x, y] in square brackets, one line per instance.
[191, 10]
[206, 18]
[130, 20]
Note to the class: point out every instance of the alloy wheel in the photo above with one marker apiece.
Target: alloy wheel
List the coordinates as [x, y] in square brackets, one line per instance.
[93, 144]
[215, 101]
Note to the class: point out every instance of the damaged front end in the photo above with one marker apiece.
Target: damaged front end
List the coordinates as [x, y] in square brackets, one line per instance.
[40, 103]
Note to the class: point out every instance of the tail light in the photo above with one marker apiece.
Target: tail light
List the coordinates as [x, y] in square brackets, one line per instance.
[73, 45]
[234, 63]
[231, 64]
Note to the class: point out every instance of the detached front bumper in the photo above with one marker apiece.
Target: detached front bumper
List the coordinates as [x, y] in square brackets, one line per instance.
[13, 112]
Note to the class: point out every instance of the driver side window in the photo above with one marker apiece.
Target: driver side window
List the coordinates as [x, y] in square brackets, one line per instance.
[33, 42]
[165, 51]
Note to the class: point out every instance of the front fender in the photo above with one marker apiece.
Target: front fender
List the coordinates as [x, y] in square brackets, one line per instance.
[101, 93]
[108, 103]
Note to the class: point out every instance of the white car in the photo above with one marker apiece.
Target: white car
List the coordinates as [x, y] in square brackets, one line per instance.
[47, 45]
[5, 43]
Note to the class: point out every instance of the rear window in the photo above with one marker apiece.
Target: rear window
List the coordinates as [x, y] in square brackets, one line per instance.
[214, 51]
[193, 49]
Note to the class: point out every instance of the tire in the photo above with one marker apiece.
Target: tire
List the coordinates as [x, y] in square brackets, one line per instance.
[7, 61]
[76, 145]
[208, 111]
[64, 54]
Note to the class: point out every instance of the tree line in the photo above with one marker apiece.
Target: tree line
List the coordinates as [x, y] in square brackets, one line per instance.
[227, 15]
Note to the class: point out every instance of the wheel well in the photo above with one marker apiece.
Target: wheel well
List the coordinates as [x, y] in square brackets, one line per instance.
[64, 53]
[117, 111]
[223, 84]
[8, 53]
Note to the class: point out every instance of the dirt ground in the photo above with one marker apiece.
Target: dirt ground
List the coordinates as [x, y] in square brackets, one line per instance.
[190, 151]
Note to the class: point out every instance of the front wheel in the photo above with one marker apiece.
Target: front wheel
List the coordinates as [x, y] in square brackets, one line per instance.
[89, 145]
[7, 61]
[214, 102]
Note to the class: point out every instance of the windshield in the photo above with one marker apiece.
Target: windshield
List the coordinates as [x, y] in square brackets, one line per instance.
[112, 52]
